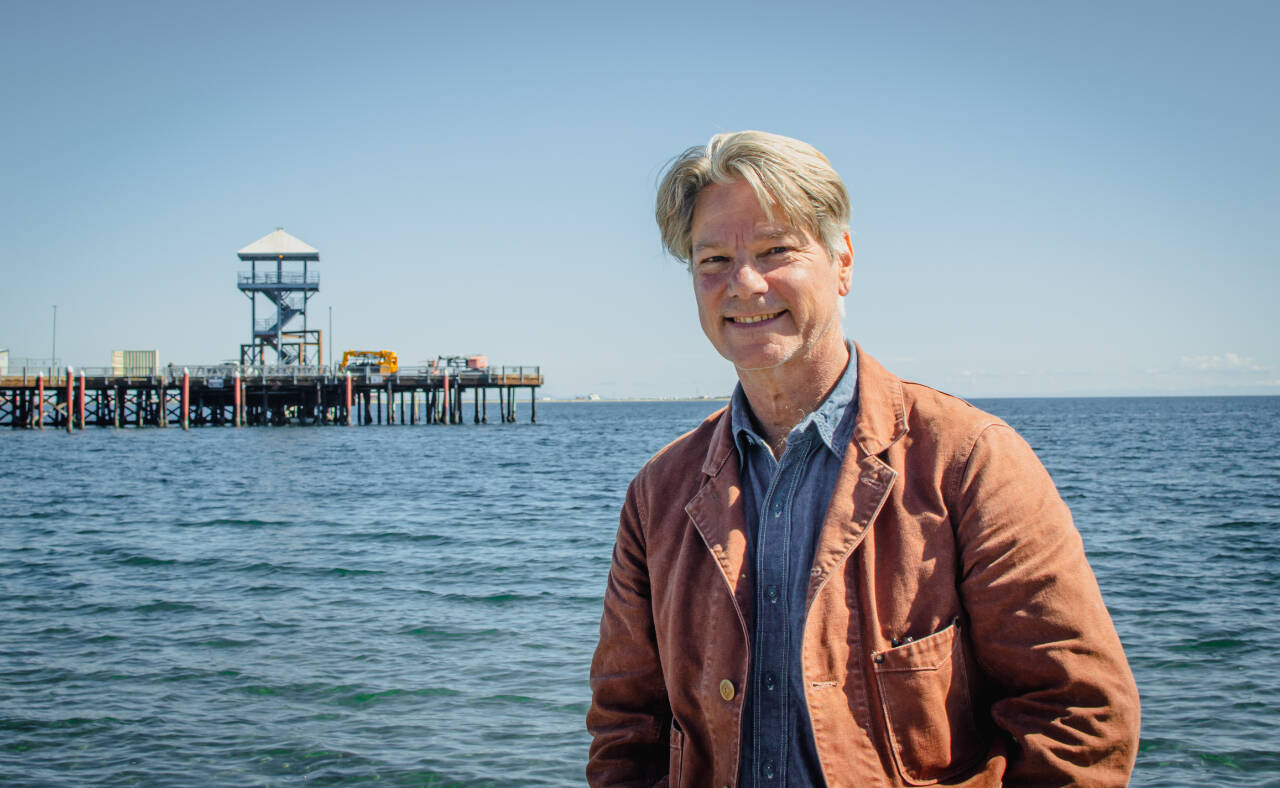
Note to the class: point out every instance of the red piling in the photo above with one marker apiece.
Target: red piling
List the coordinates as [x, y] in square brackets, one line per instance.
[347, 398]
[80, 401]
[448, 414]
[71, 395]
[186, 399]
[236, 399]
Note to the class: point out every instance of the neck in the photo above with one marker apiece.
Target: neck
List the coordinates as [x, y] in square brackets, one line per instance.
[781, 397]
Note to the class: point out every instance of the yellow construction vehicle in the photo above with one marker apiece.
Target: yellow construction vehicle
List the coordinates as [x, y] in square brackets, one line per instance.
[380, 361]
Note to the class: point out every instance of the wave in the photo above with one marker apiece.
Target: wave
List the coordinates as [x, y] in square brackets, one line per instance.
[234, 523]
[437, 633]
[165, 606]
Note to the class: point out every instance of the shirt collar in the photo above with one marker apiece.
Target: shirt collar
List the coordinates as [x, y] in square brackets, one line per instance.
[833, 419]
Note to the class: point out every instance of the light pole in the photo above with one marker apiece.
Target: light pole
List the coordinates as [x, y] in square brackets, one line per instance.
[330, 336]
[53, 360]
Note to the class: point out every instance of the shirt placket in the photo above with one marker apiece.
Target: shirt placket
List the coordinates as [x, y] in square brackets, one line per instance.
[773, 631]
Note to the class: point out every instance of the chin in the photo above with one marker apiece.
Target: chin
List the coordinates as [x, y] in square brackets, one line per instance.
[758, 358]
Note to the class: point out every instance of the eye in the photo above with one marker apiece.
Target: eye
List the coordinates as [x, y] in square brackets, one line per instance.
[711, 260]
[778, 250]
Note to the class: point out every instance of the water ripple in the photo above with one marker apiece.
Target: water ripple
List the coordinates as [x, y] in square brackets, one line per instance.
[418, 606]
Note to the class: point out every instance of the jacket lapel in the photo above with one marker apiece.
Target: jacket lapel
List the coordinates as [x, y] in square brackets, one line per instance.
[863, 487]
[865, 480]
[718, 514]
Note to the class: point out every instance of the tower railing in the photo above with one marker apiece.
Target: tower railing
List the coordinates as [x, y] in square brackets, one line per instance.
[278, 278]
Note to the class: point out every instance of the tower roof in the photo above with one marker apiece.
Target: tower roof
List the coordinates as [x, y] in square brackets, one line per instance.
[278, 245]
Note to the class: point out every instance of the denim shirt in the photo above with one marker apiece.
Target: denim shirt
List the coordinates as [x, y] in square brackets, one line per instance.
[785, 502]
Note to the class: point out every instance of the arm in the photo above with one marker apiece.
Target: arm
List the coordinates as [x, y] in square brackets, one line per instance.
[1039, 629]
[629, 717]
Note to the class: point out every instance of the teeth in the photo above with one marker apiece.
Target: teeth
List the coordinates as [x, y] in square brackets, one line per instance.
[754, 318]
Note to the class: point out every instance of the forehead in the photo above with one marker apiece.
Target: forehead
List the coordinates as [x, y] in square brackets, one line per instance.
[734, 204]
[725, 211]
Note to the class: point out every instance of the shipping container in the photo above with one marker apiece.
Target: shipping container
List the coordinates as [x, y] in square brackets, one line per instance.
[135, 363]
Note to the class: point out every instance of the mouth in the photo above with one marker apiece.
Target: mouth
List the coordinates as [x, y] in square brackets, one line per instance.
[748, 320]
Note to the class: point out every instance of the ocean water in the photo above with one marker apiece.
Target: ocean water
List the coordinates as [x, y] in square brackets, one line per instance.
[418, 605]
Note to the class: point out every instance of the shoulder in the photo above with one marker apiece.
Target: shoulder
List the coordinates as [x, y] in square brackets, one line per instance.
[946, 418]
[948, 439]
[684, 456]
[675, 472]
[969, 448]
[912, 416]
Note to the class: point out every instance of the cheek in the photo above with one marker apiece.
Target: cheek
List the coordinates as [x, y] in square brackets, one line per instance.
[703, 295]
[708, 312]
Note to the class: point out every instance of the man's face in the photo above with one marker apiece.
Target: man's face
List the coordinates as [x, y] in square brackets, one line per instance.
[767, 292]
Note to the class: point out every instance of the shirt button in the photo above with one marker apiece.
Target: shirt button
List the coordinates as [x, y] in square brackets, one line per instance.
[772, 593]
[767, 770]
[770, 681]
[777, 510]
[726, 689]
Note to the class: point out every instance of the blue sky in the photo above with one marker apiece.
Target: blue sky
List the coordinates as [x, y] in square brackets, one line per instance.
[1069, 199]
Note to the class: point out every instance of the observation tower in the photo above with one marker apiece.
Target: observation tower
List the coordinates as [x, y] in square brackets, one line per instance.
[287, 286]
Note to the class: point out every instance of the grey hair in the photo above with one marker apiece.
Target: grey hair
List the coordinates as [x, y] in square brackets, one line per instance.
[786, 175]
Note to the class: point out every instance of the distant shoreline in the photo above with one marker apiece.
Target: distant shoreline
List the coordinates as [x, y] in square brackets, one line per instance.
[967, 399]
[613, 400]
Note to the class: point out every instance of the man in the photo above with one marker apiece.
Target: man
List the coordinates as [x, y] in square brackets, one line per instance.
[843, 578]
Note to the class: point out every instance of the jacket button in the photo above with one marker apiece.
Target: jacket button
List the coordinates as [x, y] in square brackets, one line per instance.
[726, 689]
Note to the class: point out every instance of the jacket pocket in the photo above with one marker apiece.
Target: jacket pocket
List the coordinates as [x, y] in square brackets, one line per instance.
[676, 760]
[926, 697]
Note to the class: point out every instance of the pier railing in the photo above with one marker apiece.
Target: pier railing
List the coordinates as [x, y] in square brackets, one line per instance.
[172, 374]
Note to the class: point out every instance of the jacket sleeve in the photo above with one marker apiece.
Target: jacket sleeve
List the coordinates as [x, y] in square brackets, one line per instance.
[630, 717]
[1040, 631]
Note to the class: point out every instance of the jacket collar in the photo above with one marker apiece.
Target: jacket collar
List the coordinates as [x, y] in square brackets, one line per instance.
[864, 484]
[882, 413]
[881, 420]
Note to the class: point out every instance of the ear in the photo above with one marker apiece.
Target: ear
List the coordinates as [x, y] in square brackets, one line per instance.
[844, 265]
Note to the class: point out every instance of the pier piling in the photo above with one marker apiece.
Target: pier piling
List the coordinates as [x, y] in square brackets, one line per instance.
[233, 395]
[71, 384]
[445, 390]
[347, 398]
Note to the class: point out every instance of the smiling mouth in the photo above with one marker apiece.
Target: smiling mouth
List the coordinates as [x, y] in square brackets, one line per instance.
[750, 319]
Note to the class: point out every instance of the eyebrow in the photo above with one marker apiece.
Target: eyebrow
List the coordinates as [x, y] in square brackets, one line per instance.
[770, 234]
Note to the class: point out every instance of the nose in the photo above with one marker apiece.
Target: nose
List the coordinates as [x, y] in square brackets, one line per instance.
[745, 279]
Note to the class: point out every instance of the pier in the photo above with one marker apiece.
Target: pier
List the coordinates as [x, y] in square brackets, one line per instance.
[261, 395]
[279, 379]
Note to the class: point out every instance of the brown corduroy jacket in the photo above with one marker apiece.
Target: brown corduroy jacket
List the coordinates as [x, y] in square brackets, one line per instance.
[954, 634]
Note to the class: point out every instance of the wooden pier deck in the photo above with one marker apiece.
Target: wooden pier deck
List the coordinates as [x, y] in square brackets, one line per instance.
[232, 395]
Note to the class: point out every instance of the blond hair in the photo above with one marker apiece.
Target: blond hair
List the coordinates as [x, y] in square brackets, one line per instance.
[786, 175]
